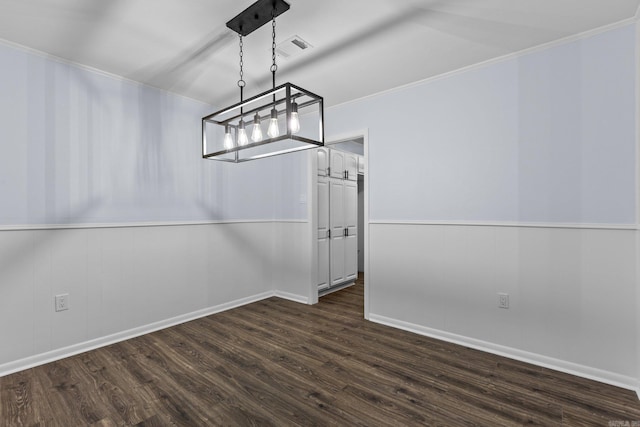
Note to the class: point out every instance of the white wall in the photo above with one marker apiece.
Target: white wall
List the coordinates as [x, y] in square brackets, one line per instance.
[290, 260]
[86, 160]
[516, 176]
[81, 147]
[545, 137]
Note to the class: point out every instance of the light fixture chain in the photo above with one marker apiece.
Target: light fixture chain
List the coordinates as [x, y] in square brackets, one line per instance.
[274, 66]
[241, 82]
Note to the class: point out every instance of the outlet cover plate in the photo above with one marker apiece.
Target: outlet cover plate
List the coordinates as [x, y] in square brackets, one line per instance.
[62, 302]
[503, 300]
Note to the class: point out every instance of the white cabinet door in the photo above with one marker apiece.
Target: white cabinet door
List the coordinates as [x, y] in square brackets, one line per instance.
[350, 206]
[343, 217]
[351, 167]
[351, 225]
[323, 161]
[323, 233]
[336, 221]
[337, 164]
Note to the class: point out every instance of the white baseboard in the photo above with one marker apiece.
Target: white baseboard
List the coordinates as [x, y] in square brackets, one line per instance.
[291, 297]
[599, 375]
[61, 353]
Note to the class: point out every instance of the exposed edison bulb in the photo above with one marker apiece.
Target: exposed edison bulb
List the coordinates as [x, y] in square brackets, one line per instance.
[256, 133]
[294, 124]
[273, 130]
[228, 139]
[242, 134]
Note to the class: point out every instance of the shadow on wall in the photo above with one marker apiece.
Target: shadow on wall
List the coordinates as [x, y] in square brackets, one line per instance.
[154, 170]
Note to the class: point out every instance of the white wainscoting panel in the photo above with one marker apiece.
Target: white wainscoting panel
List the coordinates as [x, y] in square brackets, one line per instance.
[126, 281]
[572, 291]
[290, 260]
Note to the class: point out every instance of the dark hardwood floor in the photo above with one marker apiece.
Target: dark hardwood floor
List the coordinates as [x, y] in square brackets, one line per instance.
[276, 362]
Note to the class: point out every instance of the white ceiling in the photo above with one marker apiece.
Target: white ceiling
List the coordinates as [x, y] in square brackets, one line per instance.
[360, 46]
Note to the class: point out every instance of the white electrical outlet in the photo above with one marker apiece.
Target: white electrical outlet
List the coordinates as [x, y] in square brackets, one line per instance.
[62, 302]
[503, 300]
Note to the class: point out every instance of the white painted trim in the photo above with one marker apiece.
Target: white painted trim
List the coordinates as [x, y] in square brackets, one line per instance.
[631, 227]
[103, 73]
[637, 165]
[291, 297]
[345, 136]
[61, 353]
[499, 59]
[512, 353]
[367, 222]
[142, 224]
[312, 215]
[637, 129]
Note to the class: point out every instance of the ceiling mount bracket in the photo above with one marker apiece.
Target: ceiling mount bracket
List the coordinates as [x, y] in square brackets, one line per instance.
[256, 15]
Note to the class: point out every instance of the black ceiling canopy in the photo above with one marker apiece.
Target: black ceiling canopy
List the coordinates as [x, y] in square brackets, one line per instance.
[256, 15]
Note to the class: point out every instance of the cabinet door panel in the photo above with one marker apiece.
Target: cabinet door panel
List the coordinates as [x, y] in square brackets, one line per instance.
[323, 207]
[350, 203]
[351, 166]
[323, 161]
[337, 164]
[351, 257]
[336, 207]
[337, 260]
[323, 263]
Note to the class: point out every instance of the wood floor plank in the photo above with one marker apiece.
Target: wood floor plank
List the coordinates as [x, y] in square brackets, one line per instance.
[16, 400]
[277, 362]
[112, 387]
[77, 394]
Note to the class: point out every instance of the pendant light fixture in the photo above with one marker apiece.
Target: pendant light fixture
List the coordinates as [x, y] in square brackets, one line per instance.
[293, 116]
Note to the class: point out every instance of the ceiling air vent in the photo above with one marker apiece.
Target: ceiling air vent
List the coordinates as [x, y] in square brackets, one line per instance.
[292, 47]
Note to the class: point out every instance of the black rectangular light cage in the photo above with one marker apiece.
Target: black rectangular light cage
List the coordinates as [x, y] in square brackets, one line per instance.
[231, 135]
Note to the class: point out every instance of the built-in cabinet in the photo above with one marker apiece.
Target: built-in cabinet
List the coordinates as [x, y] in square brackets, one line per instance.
[337, 218]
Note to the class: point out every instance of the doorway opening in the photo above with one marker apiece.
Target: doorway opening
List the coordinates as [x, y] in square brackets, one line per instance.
[339, 216]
